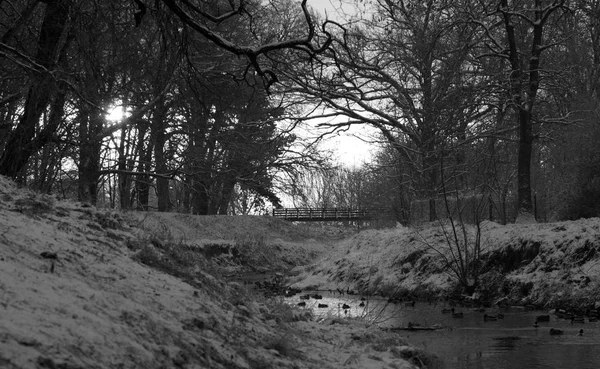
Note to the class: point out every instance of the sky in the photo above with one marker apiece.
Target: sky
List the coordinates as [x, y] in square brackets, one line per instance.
[330, 7]
[351, 147]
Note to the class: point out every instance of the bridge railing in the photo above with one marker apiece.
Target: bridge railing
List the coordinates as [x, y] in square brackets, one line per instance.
[320, 214]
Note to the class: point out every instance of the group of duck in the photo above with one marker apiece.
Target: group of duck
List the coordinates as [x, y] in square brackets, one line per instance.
[316, 296]
[592, 316]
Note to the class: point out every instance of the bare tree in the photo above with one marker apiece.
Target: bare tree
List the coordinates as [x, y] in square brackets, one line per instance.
[408, 70]
[44, 65]
[52, 74]
[517, 32]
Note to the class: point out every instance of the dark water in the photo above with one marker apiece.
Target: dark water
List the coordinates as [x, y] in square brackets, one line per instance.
[472, 343]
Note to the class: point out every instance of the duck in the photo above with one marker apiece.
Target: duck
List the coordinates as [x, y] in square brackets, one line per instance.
[362, 303]
[535, 324]
[413, 325]
[457, 315]
[577, 319]
[317, 297]
[289, 293]
[345, 306]
[322, 306]
[561, 313]
[489, 318]
[542, 318]
[580, 332]
[555, 331]
[302, 303]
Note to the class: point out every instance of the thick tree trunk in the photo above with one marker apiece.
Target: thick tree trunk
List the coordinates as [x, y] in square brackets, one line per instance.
[20, 146]
[525, 205]
[142, 181]
[525, 83]
[50, 162]
[226, 194]
[124, 179]
[200, 198]
[89, 158]
[159, 138]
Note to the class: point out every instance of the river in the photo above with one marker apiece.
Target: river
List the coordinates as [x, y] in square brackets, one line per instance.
[471, 342]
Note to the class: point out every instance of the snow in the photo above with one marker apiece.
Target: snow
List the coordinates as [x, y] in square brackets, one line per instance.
[560, 261]
[74, 295]
[82, 287]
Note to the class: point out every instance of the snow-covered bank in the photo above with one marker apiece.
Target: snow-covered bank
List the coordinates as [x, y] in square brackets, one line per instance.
[554, 264]
[88, 288]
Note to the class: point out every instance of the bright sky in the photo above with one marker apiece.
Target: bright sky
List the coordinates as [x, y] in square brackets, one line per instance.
[351, 147]
[331, 7]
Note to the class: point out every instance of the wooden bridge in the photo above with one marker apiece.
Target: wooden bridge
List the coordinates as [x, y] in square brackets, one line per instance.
[320, 214]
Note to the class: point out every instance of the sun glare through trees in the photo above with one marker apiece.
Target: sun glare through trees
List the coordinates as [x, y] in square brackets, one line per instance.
[208, 106]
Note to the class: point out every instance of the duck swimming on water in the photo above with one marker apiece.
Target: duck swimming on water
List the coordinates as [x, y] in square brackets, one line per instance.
[457, 314]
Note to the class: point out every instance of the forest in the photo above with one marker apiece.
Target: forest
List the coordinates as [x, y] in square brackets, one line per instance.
[482, 109]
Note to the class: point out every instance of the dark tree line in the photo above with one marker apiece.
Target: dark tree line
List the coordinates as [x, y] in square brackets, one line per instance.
[476, 100]
[492, 103]
[192, 77]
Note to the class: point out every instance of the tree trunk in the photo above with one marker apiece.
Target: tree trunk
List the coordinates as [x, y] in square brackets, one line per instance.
[226, 194]
[20, 145]
[162, 184]
[50, 159]
[89, 157]
[200, 198]
[525, 205]
[142, 181]
[124, 178]
[159, 138]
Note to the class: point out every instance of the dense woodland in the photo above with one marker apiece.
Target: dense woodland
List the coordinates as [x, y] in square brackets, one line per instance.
[482, 108]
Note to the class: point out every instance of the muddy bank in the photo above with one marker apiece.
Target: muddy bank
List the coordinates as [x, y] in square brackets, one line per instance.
[543, 265]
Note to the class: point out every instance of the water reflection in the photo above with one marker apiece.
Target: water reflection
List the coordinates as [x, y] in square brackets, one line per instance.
[471, 342]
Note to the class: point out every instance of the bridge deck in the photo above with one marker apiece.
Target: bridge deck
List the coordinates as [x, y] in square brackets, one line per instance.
[320, 214]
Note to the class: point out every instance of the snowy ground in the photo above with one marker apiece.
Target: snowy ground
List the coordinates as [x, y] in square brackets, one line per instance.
[546, 265]
[88, 288]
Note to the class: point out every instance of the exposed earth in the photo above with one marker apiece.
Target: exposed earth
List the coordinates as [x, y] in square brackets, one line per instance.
[82, 287]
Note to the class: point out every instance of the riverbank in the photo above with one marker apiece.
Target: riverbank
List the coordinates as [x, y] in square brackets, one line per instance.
[544, 265]
[82, 287]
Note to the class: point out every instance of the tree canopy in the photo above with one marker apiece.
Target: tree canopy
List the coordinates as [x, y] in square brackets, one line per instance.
[491, 103]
